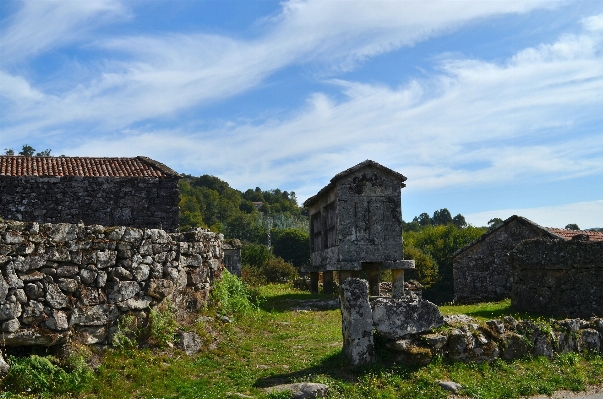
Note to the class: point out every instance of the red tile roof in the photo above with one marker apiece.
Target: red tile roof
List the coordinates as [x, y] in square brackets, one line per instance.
[569, 234]
[15, 165]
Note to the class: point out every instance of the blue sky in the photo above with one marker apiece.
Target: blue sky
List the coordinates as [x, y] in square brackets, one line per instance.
[490, 108]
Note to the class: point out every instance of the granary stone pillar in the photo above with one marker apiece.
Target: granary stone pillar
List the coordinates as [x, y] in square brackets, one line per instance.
[372, 270]
[314, 282]
[397, 283]
[356, 321]
[327, 282]
[343, 275]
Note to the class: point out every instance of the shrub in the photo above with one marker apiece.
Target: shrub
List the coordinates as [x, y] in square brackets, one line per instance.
[230, 295]
[255, 255]
[279, 271]
[162, 325]
[127, 334]
[37, 374]
[252, 276]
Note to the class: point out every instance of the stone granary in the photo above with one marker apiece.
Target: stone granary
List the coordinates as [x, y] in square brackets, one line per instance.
[136, 192]
[482, 270]
[356, 226]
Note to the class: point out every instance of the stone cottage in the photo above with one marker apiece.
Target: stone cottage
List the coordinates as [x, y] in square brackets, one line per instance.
[356, 225]
[137, 192]
[482, 269]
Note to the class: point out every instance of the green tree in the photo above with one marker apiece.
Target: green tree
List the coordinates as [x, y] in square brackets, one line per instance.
[494, 223]
[572, 226]
[426, 268]
[293, 245]
[459, 221]
[441, 242]
[245, 227]
[255, 255]
[27, 150]
[45, 153]
[9, 151]
[442, 216]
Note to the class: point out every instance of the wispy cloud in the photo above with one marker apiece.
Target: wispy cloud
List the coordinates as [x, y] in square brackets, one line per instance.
[146, 77]
[39, 26]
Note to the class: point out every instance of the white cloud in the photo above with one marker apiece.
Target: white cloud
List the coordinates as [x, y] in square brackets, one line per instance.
[475, 123]
[593, 23]
[146, 77]
[585, 214]
[40, 25]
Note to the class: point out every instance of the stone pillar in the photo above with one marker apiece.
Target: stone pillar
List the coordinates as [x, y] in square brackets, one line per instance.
[356, 321]
[343, 275]
[397, 283]
[314, 282]
[372, 270]
[327, 282]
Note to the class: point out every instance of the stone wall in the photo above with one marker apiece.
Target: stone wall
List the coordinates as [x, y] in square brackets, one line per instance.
[558, 277]
[482, 271]
[464, 339]
[70, 281]
[143, 202]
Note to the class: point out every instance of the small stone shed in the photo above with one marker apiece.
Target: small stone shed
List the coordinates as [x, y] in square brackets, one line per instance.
[356, 225]
[136, 192]
[482, 270]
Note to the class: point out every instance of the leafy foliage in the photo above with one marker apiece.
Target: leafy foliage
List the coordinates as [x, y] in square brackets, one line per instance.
[426, 268]
[37, 375]
[162, 325]
[255, 255]
[278, 271]
[230, 295]
[293, 245]
[209, 202]
[440, 243]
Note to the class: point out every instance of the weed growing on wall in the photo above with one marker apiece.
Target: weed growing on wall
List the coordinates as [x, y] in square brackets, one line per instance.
[162, 325]
[127, 334]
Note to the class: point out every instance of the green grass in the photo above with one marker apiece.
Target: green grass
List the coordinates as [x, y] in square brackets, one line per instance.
[272, 344]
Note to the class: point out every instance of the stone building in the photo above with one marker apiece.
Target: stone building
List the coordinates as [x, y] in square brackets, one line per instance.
[232, 256]
[356, 225]
[481, 269]
[137, 192]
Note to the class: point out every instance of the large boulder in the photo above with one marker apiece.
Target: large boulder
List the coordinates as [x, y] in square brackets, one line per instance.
[356, 321]
[394, 318]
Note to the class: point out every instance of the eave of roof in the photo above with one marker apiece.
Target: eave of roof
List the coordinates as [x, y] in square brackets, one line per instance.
[513, 218]
[361, 165]
[18, 166]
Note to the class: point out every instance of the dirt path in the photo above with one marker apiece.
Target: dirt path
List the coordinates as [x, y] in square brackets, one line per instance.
[594, 392]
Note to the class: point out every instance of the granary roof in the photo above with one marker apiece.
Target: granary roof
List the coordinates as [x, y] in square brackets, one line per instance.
[550, 232]
[16, 165]
[361, 165]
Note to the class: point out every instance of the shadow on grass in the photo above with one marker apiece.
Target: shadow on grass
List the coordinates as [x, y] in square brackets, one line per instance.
[338, 368]
[290, 301]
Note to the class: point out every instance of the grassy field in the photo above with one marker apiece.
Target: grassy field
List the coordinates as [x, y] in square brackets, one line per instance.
[275, 344]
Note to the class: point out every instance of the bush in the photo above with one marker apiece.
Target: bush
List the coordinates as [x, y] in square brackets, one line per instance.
[252, 276]
[293, 245]
[255, 255]
[230, 295]
[37, 374]
[278, 271]
[162, 325]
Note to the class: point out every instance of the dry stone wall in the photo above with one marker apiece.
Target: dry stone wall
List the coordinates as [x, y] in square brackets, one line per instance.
[143, 202]
[558, 277]
[71, 281]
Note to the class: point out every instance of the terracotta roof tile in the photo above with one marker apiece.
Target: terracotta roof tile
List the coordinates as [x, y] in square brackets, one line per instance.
[15, 165]
[568, 234]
